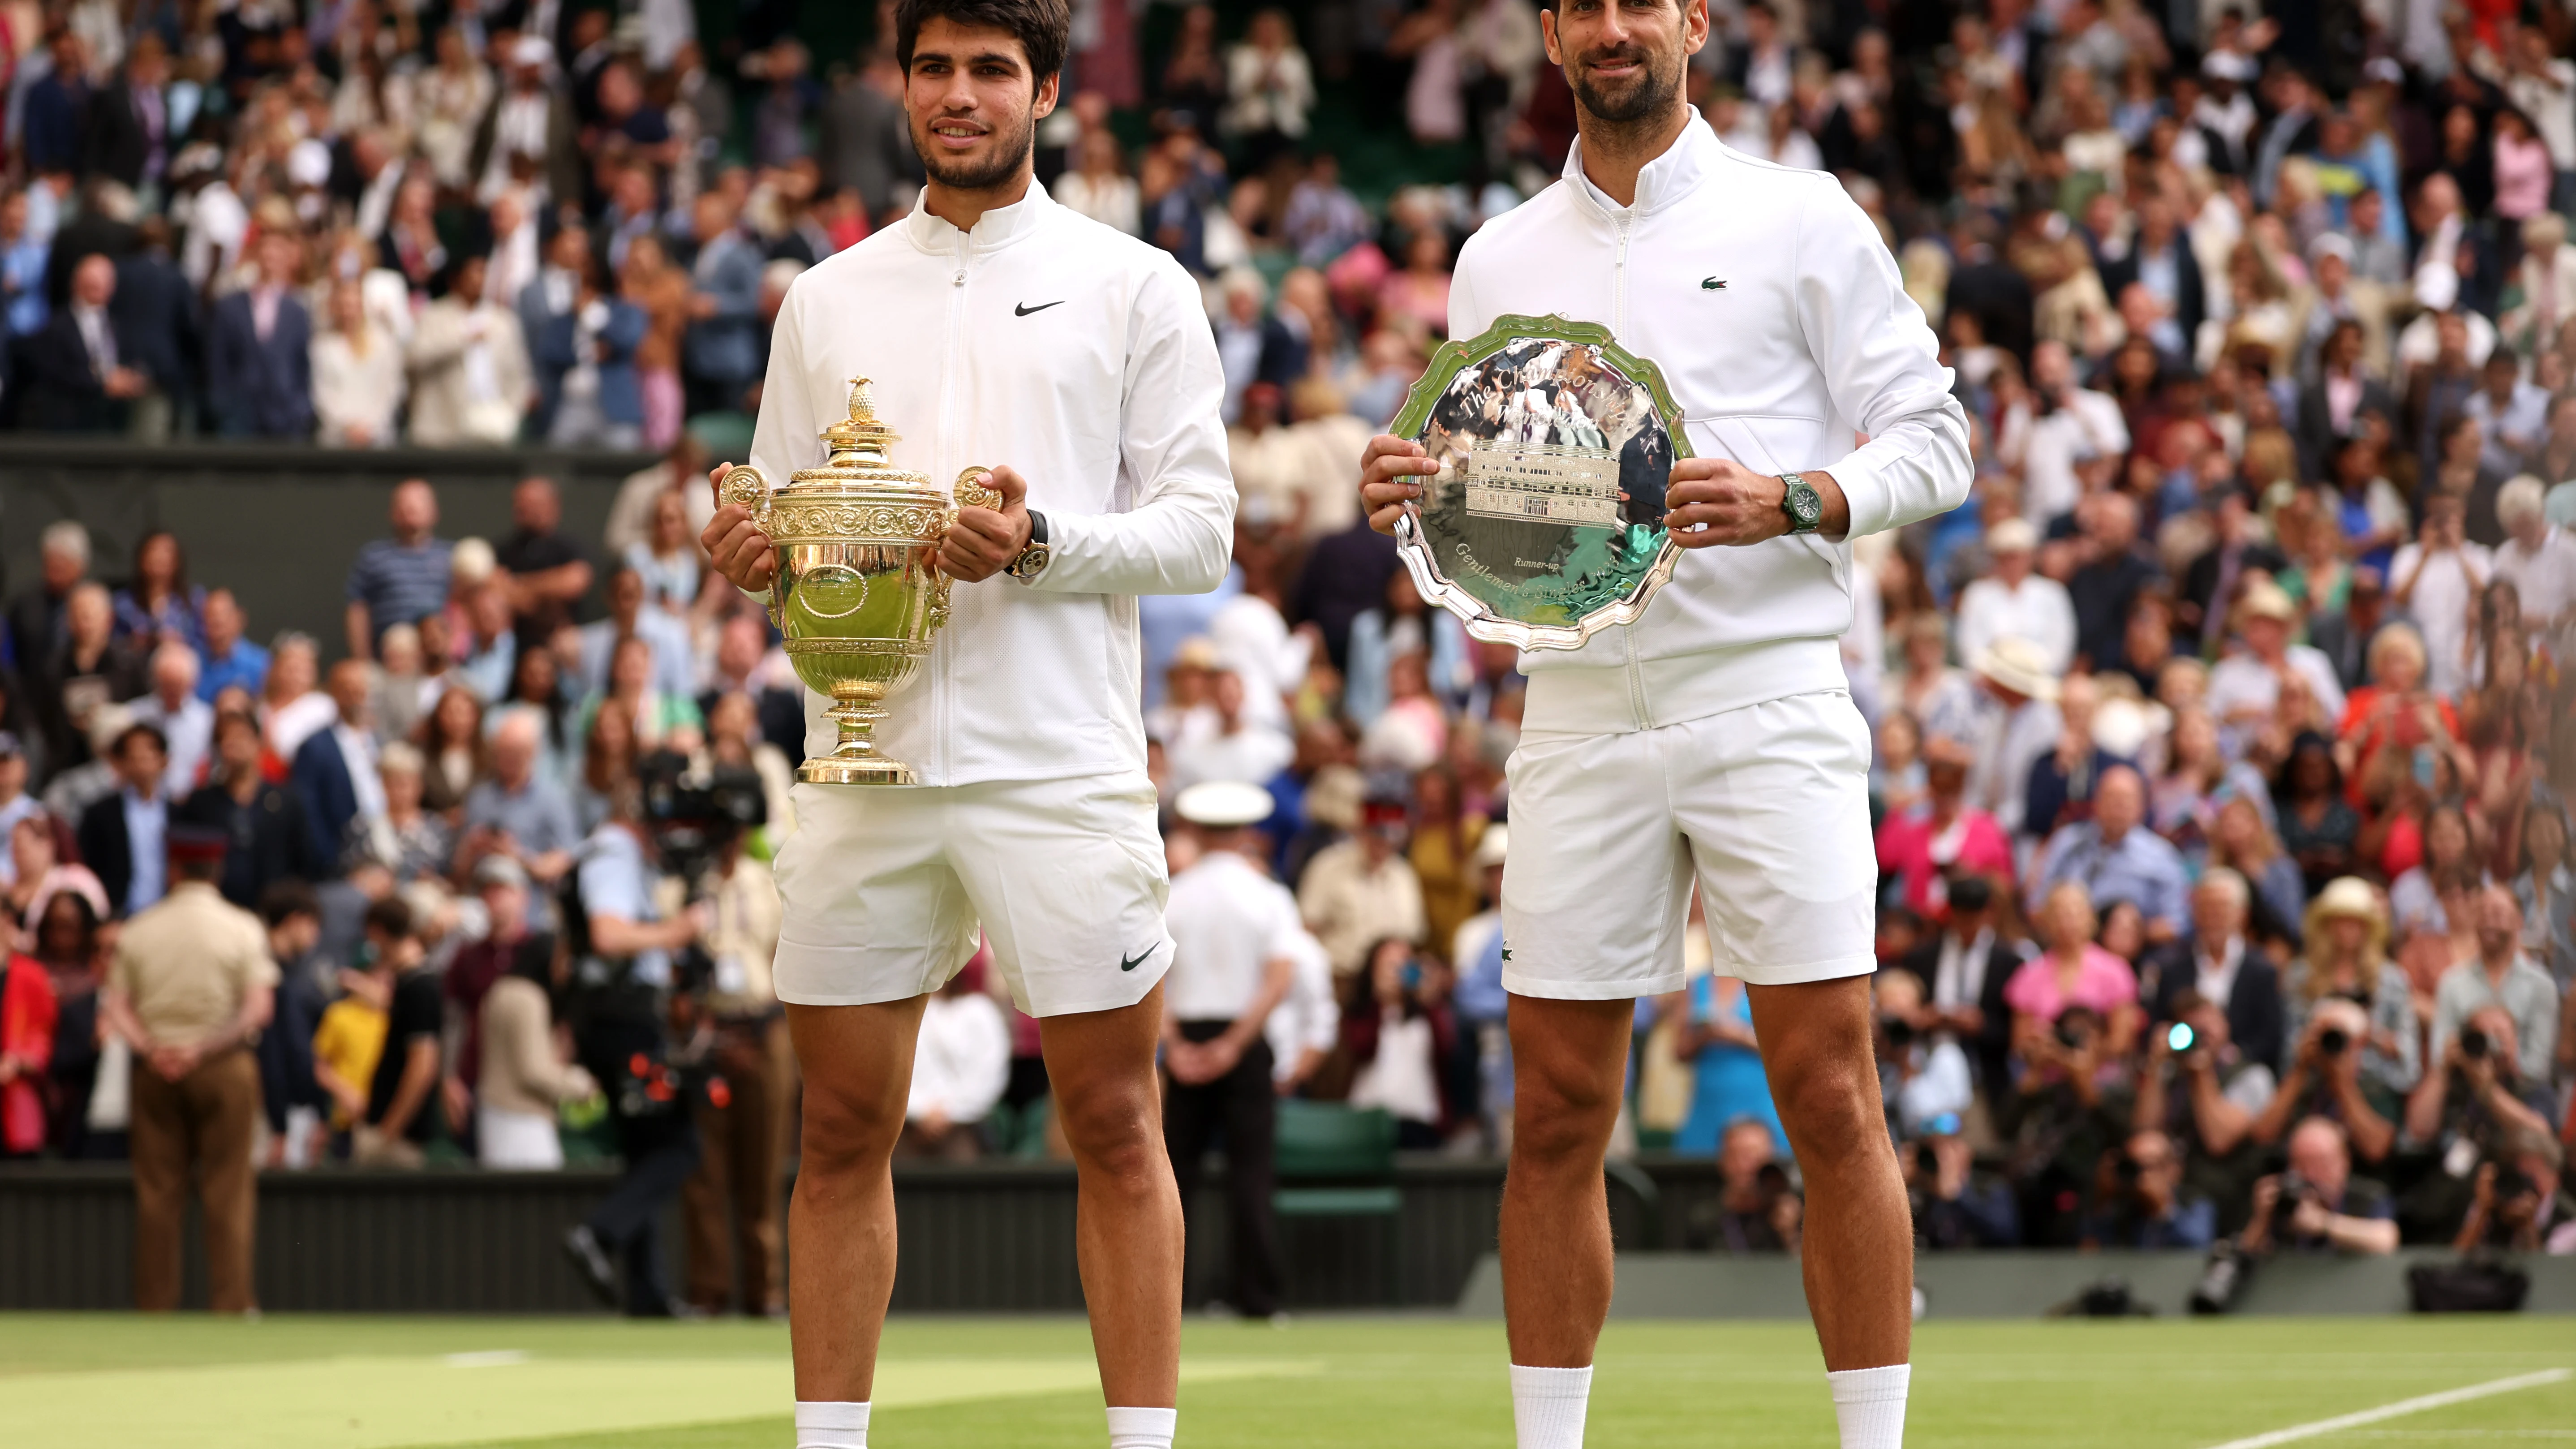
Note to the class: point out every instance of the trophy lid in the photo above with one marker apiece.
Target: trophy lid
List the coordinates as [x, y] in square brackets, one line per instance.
[862, 440]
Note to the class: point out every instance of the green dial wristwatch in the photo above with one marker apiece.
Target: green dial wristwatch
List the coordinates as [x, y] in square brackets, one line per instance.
[1806, 511]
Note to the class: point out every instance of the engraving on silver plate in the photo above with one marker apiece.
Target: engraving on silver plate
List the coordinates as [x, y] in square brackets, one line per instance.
[1542, 483]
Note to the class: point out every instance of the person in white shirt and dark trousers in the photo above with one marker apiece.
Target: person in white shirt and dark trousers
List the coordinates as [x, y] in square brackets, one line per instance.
[1235, 941]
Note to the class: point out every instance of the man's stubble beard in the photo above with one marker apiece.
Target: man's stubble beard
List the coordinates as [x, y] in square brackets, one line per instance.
[1647, 101]
[1011, 151]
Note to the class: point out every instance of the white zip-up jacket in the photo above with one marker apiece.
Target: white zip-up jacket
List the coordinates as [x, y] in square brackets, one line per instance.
[1080, 357]
[1773, 309]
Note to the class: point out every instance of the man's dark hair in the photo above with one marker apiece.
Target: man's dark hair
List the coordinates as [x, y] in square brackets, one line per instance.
[125, 739]
[392, 915]
[284, 900]
[1044, 27]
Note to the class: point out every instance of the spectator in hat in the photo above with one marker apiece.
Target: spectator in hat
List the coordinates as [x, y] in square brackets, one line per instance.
[2245, 688]
[1362, 890]
[2014, 723]
[1235, 940]
[2017, 602]
[191, 985]
[125, 836]
[531, 123]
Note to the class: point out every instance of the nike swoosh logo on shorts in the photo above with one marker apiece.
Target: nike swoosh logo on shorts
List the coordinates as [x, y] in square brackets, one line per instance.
[1127, 963]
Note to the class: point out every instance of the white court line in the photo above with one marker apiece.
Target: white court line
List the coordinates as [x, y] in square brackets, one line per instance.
[488, 1358]
[2402, 1407]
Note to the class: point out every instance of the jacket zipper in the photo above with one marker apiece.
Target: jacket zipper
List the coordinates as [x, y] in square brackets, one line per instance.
[948, 394]
[1619, 329]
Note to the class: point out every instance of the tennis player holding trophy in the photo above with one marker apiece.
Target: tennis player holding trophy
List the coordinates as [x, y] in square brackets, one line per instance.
[1064, 374]
[1641, 469]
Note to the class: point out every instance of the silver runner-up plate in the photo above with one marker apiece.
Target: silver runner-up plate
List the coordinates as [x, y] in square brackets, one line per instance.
[1545, 523]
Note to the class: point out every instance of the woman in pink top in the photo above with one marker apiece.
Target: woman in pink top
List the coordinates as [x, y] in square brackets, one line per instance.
[2073, 972]
[2522, 169]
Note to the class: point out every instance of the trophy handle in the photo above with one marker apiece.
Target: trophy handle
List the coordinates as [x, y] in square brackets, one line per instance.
[744, 485]
[973, 492]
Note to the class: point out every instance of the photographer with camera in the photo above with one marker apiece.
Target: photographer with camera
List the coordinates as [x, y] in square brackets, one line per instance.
[2502, 978]
[2141, 1199]
[2473, 1101]
[2325, 1081]
[2517, 1204]
[2219, 964]
[742, 1129]
[2220, 1091]
[623, 946]
[2318, 1205]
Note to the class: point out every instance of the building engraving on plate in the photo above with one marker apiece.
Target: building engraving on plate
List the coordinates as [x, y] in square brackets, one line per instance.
[1543, 483]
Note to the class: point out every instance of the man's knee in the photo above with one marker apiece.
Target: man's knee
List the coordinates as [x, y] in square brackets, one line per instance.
[1829, 1101]
[1114, 1128]
[1563, 1108]
[847, 1132]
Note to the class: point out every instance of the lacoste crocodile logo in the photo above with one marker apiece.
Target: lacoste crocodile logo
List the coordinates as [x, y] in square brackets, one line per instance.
[1713, 284]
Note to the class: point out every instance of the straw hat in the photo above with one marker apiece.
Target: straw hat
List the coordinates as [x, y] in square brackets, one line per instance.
[2351, 896]
[2018, 665]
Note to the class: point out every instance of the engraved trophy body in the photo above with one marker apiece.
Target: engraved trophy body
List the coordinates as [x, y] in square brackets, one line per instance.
[858, 590]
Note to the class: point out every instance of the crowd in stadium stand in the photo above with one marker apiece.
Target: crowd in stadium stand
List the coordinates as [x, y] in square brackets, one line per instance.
[2224, 742]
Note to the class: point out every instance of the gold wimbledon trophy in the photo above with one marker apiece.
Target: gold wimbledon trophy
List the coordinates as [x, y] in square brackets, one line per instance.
[859, 590]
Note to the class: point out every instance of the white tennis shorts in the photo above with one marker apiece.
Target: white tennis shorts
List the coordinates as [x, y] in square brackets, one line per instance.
[882, 890]
[1768, 804]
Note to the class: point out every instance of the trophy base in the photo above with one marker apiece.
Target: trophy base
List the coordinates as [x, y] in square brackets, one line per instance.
[833, 770]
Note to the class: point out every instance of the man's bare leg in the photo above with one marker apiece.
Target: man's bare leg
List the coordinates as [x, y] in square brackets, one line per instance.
[858, 1072]
[1127, 1228]
[1857, 1254]
[1569, 1069]
[1569, 1066]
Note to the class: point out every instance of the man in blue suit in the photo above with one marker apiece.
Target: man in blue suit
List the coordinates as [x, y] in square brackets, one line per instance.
[335, 777]
[259, 367]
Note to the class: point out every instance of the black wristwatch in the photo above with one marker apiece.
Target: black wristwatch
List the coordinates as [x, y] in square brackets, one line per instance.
[1806, 511]
[1033, 559]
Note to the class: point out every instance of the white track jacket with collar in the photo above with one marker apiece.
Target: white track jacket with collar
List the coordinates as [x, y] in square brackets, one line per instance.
[1082, 358]
[1774, 311]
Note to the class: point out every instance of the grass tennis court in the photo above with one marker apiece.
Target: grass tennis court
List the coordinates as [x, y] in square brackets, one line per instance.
[296, 1382]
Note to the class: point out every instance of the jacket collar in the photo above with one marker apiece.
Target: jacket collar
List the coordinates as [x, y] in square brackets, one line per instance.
[993, 231]
[1665, 180]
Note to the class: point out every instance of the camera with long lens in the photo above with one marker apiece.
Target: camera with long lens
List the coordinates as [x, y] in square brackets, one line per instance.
[2334, 1041]
[2473, 1043]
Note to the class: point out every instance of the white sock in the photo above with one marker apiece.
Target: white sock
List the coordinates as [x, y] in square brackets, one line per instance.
[831, 1424]
[1142, 1428]
[1870, 1405]
[1548, 1405]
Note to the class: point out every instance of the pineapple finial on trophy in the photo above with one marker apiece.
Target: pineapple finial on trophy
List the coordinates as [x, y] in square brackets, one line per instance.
[861, 440]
